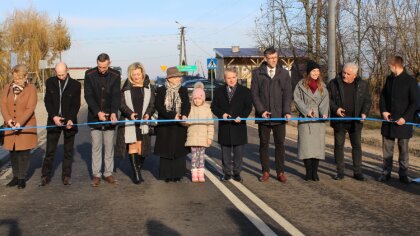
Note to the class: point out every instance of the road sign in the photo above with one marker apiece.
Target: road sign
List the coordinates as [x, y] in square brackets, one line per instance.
[211, 63]
[187, 68]
[163, 68]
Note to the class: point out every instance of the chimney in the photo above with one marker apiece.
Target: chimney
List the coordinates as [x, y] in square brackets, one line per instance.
[235, 49]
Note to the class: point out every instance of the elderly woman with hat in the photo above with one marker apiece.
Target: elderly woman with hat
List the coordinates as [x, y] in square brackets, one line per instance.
[312, 101]
[172, 103]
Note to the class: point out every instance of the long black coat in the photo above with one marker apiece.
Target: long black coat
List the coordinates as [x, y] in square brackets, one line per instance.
[271, 94]
[126, 112]
[362, 99]
[171, 136]
[230, 132]
[70, 101]
[399, 97]
[102, 93]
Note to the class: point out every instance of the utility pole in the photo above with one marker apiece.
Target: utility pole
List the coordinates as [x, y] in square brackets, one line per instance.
[331, 39]
[181, 47]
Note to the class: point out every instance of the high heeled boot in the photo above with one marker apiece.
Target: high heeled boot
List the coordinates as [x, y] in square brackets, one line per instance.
[134, 166]
[308, 167]
[140, 163]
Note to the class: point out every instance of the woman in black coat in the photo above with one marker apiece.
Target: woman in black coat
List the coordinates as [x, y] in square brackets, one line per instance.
[172, 102]
[137, 102]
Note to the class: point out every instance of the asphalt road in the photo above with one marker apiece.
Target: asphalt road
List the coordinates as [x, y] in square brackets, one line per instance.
[328, 207]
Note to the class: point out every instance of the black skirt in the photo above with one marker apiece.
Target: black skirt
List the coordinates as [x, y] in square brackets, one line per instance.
[172, 168]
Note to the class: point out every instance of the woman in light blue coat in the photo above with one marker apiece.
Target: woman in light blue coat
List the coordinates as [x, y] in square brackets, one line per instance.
[311, 100]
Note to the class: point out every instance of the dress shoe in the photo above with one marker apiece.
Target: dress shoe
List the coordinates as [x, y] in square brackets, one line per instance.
[384, 178]
[21, 183]
[66, 180]
[404, 179]
[282, 177]
[167, 180]
[265, 177]
[178, 179]
[95, 181]
[12, 182]
[44, 181]
[237, 178]
[225, 178]
[110, 179]
[359, 177]
[338, 177]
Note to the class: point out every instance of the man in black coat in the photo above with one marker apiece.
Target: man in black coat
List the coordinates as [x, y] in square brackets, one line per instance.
[62, 101]
[349, 97]
[102, 95]
[272, 93]
[398, 104]
[232, 101]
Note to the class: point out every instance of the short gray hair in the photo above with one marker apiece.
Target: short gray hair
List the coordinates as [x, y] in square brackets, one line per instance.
[353, 66]
[233, 70]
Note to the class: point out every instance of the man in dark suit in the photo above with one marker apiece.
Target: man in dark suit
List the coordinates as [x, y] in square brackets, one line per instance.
[272, 93]
[232, 101]
[62, 101]
[398, 103]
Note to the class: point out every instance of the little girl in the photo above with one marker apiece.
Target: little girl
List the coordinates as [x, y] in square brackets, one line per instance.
[200, 133]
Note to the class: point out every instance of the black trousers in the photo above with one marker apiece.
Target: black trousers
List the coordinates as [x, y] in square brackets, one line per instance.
[355, 133]
[52, 140]
[279, 134]
[20, 163]
[232, 164]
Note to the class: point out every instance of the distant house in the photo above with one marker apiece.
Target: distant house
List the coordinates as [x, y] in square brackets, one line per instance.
[78, 73]
[247, 59]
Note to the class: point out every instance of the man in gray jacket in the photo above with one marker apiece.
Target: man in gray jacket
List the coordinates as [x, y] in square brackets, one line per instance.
[271, 90]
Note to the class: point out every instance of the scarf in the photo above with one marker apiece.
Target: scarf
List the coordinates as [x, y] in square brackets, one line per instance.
[17, 89]
[172, 98]
[130, 128]
[313, 85]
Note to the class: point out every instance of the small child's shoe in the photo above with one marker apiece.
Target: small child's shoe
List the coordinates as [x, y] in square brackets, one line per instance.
[201, 177]
[194, 175]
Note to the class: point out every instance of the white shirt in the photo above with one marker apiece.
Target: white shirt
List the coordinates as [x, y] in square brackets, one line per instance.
[272, 73]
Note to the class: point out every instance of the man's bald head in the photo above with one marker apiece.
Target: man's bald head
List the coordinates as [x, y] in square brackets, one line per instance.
[61, 70]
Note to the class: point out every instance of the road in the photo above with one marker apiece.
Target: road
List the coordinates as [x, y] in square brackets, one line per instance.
[328, 207]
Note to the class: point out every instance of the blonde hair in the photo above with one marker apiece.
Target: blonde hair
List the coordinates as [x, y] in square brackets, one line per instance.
[135, 66]
[20, 70]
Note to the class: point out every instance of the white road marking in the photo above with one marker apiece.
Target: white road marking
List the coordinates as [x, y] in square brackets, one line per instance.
[261, 204]
[261, 226]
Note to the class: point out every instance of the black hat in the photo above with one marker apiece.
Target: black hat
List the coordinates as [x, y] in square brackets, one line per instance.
[311, 65]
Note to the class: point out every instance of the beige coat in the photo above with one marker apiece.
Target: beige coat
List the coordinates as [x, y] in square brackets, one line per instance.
[199, 132]
[22, 110]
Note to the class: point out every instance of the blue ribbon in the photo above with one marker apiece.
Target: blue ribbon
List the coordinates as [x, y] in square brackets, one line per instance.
[216, 119]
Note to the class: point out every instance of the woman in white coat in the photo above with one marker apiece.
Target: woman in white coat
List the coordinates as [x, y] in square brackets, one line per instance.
[311, 100]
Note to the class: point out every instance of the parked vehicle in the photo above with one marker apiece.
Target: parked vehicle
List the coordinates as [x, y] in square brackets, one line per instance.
[207, 86]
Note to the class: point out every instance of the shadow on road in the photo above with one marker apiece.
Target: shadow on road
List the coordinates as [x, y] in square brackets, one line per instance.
[13, 225]
[155, 227]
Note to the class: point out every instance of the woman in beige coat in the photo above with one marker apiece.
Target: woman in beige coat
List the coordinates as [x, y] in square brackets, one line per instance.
[18, 103]
[200, 133]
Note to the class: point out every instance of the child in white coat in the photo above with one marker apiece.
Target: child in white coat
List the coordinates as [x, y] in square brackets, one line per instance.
[200, 133]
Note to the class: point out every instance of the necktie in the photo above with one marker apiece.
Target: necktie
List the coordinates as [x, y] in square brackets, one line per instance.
[230, 92]
[271, 73]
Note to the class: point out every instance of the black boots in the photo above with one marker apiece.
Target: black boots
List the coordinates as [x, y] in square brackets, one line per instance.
[135, 167]
[21, 183]
[315, 163]
[13, 182]
[311, 166]
[137, 162]
[308, 167]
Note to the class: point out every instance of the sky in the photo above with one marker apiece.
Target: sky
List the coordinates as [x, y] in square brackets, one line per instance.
[146, 31]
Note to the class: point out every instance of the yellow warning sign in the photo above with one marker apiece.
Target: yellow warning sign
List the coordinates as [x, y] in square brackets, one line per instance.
[163, 68]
